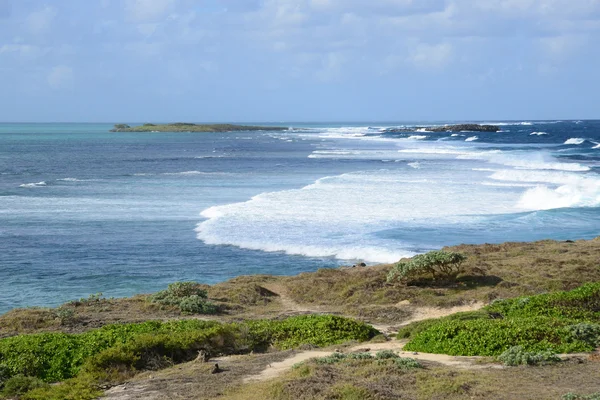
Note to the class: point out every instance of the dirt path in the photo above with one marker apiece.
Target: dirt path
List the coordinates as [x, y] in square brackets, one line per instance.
[422, 313]
[275, 369]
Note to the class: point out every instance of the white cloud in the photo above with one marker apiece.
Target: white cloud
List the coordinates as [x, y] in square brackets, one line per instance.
[24, 50]
[560, 47]
[60, 76]
[431, 56]
[331, 67]
[39, 21]
[148, 10]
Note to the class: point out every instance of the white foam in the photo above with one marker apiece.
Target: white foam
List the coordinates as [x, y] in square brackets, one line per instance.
[538, 133]
[522, 123]
[471, 139]
[339, 216]
[415, 165]
[417, 137]
[575, 141]
[597, 145]
[33, 185]
[525, 160]
[187, 173]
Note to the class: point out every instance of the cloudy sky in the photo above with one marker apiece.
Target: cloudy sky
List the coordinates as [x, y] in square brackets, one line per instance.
[298, 60]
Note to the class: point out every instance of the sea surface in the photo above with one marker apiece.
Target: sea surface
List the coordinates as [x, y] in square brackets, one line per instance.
[83, 210]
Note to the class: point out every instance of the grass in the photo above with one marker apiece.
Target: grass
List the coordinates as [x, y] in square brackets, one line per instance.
[382, 381]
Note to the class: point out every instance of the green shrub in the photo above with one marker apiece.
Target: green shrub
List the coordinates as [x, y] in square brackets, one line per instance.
[331, 359]
[491, 337]
[55, 357]
[190, 297]
[197, 305]
[444, 264]
[560, 322]
[317, 330]
[573, 396]
[4, 374]
[83, 387]
[414, 328]
[407, 363]
[385, 355]
[586, 332]
[581, 304]
[65, 315]
[359, 356]
[19, 384]
[517, 355]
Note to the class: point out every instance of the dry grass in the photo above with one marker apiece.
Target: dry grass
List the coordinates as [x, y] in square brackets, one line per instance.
[491, 271]
[367, 380]
[194, 380]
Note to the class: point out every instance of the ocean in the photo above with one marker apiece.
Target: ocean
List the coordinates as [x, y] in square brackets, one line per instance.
[83, 210]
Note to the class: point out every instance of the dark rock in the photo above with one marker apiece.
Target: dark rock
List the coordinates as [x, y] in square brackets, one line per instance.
[447, 128]
[216, 369]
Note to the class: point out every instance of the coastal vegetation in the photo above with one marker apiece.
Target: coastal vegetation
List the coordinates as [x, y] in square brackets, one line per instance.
[189, 297]
[561, 322]
[444, 265]
[526, 302]
[114, 353]
[189, 127]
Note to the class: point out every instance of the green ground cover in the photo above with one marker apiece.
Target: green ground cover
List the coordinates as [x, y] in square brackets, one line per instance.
[562, 322]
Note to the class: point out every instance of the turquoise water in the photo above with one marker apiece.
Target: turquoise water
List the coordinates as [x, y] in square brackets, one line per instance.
[83, 210]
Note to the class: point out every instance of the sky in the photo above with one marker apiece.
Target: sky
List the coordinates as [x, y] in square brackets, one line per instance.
[298, 60]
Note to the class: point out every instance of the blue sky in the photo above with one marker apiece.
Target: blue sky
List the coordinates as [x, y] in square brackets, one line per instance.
[298, 60]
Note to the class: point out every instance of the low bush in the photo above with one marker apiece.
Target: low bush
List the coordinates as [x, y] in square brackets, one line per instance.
[385, 355]
[359, 356]
[115, 352]
[382, 358]
[491, 337]
[57, 356]
[331, 359]
[20, 384]
[586, 332]
[317, 330]
[190, 297]
[581, 304]
[517, 355]
[573, 396]
[562, 322]
[414, 328]
[438, 264]
[407, 363]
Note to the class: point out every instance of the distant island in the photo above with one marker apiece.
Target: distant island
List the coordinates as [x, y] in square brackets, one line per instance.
[447, 128]
[188, 127]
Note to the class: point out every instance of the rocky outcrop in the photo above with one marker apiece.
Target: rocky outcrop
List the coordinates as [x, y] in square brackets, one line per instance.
[447, 128]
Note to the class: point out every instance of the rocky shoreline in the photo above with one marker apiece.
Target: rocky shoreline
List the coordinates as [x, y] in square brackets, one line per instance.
[446, 128]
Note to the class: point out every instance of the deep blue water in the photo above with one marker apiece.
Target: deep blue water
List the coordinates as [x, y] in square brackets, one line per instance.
[83, 210]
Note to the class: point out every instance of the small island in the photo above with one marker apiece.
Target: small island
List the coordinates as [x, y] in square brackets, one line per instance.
[447, 128]
[189, 127]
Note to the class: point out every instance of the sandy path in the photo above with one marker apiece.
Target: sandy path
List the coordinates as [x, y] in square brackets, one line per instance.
[421, 313]
[276, 369]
